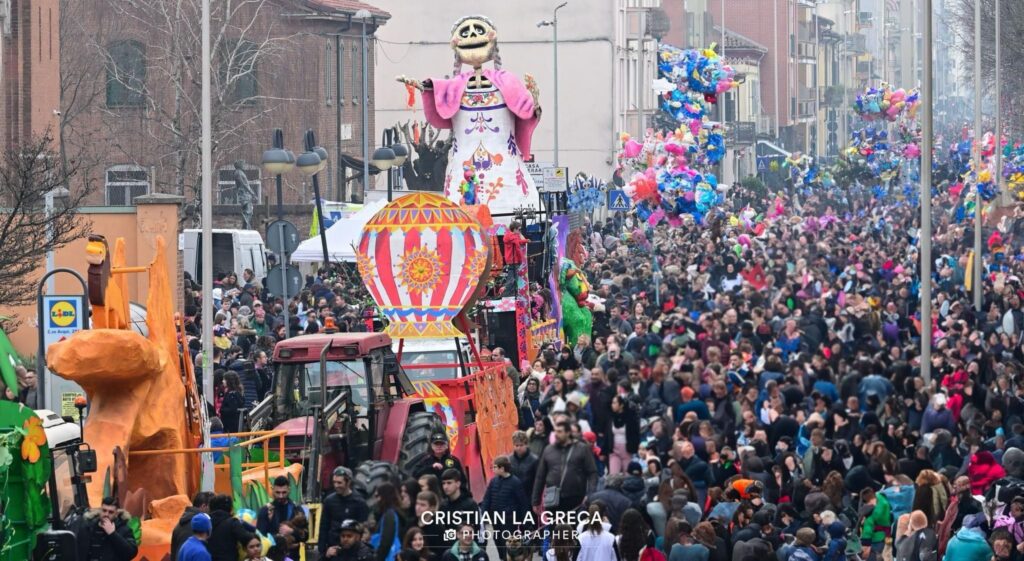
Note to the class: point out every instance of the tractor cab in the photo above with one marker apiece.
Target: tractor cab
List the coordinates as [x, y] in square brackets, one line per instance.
[333, 394]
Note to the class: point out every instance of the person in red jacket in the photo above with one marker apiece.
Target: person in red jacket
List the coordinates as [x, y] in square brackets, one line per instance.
[515, 257]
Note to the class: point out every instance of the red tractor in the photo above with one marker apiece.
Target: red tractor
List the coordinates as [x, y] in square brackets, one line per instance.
[345, 400]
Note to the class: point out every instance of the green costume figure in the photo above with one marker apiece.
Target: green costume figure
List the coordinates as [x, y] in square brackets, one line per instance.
[574, 289]
[577, 318]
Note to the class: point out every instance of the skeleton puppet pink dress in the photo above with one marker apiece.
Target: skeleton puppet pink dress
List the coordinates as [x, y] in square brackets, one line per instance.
[491, 130]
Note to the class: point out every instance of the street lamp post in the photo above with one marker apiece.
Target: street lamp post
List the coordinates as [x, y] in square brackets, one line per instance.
[553, 22]
[311, 163]
[390, 157]
[278, 161]
[978, 222]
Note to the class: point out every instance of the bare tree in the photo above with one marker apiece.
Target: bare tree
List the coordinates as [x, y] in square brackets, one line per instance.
[961, 22]
[80, 89]
[27, 231]
[151, 58]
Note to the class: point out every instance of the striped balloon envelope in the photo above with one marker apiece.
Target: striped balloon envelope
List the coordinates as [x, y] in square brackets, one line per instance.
[422, 258]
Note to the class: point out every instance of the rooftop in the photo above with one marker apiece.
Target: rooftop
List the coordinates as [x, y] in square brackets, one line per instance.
[735, 41]
[347, 7]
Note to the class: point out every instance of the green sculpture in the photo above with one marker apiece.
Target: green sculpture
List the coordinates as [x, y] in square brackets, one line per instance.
[577, 318]
[8, 361]
[25, 467]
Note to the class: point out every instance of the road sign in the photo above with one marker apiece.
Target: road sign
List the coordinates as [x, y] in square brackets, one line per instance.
[536, 171]
[62, 317]
[764, 163]
[556, 180]
[291, 237]
[293, 275]
[618, 201]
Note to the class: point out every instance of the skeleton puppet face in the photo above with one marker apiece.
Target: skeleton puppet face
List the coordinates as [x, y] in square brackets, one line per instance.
[474, 40]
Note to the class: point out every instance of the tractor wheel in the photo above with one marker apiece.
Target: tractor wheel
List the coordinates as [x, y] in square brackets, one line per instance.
[416, 439]
[369, 475]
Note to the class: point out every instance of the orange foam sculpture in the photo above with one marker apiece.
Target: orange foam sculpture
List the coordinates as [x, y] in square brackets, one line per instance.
[135, 386]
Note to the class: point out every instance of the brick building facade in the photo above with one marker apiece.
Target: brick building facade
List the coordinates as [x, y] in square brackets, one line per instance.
[307, 75]
[29, 69]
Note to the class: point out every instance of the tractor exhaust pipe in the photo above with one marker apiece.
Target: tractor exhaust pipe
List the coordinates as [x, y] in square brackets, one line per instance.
[313, 478]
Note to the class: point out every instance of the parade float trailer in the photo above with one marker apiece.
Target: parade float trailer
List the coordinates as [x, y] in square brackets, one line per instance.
[142, 439]
[350, 398]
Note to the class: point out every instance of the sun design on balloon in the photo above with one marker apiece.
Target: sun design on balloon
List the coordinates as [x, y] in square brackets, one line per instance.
[365, 265]
[420, 270]
[476, 264]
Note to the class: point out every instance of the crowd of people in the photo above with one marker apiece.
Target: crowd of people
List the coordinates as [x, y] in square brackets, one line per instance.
[755, 394]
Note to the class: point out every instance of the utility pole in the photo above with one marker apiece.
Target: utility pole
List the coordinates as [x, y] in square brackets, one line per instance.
[1006, 200]
[207, 236]
[977, 156]
[926, 200]
[775, 62]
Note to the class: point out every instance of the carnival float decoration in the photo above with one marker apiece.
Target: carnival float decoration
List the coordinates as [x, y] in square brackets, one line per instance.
[422, 258]
[25, 468]
[577, 317]
[492, 116]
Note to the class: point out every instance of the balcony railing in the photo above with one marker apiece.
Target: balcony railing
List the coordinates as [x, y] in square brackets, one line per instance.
[806, 94]
[806, 51]
[805, 109]
[741, 132]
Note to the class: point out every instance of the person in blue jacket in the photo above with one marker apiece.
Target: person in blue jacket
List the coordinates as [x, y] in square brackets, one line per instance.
[505, 501]
[194, 548]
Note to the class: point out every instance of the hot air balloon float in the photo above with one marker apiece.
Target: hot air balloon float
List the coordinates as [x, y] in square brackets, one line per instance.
[422, 257]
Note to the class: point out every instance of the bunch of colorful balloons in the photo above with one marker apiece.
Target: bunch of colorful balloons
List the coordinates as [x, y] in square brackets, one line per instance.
[1013, 168]
[689, 82]
[469, 186]
[664, 170]
[886, 103]
[661, 183]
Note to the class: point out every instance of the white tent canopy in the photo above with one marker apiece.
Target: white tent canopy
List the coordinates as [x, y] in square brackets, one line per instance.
[342, 237]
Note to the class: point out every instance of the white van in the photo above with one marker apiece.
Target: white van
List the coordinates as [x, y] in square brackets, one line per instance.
[234, 251]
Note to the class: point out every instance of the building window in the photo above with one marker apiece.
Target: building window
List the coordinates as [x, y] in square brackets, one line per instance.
[124, 183]
[126, 74]
[226, 192]
[328, 64]
[238, 71]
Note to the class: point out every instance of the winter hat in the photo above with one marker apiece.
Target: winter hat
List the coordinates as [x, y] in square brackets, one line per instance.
[836, 530]
[201, 523]
[635, 467]
[974, 520]
[1013, 462]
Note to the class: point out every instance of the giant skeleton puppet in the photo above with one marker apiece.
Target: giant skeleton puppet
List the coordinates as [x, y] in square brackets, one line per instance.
[492, 115]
